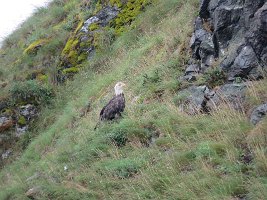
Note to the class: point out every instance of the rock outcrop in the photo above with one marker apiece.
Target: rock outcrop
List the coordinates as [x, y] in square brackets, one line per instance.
[197, 99]
[230, 35]
[14, 122]
[109, 21]
[233, 32]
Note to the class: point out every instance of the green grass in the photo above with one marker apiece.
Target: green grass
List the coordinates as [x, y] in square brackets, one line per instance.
[153, 152]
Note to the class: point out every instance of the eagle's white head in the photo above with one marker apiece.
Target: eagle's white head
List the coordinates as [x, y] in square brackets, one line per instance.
[119, 88]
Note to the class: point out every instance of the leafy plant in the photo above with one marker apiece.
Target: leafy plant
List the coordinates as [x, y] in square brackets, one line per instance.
[31, 91]
[124, 168]
[215, 77]
[154, 77]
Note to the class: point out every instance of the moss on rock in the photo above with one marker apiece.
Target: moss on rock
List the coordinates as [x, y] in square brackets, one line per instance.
[117, 3]
[42, 78]
[34, 47]
[94, 26]
[76, 49]
[22, 121]
[71, 55]
[129, 12]
[71, 70]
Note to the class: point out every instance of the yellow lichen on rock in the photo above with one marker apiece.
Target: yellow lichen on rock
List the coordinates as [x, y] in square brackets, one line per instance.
[71, 70]
[117, 3]
[33, 48]
[22, 120]
[129, 12]
[93, 27]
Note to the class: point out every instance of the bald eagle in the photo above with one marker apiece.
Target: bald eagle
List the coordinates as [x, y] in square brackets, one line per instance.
[115, 106]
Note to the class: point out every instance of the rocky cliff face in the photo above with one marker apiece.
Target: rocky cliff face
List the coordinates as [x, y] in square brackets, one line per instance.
[231, 37]
[234, 32]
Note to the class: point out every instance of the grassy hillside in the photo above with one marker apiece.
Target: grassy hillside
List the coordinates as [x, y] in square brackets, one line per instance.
[155, 151]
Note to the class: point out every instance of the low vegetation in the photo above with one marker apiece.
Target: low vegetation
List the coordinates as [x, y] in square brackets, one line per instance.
[154, 151]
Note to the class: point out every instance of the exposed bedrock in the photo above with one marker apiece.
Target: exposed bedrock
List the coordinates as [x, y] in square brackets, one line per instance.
[234, 32]
[201, 99]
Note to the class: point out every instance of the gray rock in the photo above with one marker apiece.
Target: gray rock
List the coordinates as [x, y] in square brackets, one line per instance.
[6, 154]
[191, 73]
[20, 131]
[258, 114]
[29, 111]
[244, 63]
[190, 77]
[207, 51]
[196, 99]
[85, 37]
[193, 68]
[3, 105]
[88, 22]
[238, 38]
[226, 22]
[228, 61]
[191, 99]
[250, 8]
[257, 34]
[198, 37]
[107, 14]
[231, 94]
[102, 18]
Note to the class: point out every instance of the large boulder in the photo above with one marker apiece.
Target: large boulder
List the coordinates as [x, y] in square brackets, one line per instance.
[227, 22]
[244, 63]
[191, 100]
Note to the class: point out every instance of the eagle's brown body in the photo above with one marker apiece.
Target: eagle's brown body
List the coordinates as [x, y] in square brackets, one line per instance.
[114, 108]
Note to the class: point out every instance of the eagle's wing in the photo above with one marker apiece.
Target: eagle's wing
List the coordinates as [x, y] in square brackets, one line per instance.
[115, 106]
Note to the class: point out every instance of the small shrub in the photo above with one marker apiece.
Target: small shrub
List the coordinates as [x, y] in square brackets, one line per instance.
[31, 92]
[215, 77]
[119, 138]
[124, 168]
[58, 13]
[103, 39]
[209, 149]
[160, 185]
[154, 77]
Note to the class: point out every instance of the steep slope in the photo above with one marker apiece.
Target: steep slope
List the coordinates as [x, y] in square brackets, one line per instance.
[156, 151]
[51, 47]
